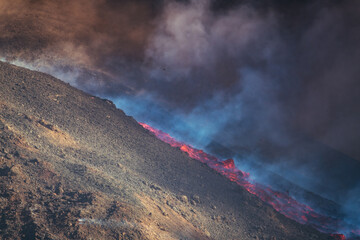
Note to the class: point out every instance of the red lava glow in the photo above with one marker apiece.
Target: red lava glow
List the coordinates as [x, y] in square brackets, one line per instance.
[281, 202]
[339, 236]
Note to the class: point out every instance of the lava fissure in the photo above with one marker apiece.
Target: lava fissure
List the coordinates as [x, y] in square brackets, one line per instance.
[281, 202]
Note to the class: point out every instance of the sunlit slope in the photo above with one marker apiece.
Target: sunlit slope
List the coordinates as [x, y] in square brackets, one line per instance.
[73, 166]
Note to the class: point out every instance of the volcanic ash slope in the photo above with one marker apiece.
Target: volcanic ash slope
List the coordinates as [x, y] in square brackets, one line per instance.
[75, 167]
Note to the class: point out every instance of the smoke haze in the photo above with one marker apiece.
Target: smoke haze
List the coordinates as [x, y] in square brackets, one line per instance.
[259, 77]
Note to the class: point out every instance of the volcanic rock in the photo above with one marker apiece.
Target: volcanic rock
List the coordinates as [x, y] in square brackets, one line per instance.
[72, 166]
[184, 199]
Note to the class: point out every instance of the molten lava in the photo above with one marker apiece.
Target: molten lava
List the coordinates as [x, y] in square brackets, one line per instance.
[339, 236]
[281, 202]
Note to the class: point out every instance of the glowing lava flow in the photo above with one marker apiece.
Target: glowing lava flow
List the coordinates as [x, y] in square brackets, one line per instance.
[281, 202]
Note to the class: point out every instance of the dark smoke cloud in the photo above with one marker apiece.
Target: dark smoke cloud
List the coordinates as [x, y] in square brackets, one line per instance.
[275, 81]
[100, 36]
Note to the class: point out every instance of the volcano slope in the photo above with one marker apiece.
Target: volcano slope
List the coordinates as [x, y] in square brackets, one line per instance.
[75, 167]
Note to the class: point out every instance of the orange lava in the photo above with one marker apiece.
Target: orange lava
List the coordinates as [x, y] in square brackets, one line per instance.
[280, 201]
[339, 236]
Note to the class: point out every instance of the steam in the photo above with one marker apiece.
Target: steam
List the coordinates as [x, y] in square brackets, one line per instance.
[273, 82]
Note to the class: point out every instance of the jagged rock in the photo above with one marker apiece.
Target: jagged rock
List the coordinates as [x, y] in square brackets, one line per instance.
[196, 199]
[184, 199]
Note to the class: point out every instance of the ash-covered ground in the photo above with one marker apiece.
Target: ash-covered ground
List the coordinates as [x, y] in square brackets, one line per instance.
[75, 167]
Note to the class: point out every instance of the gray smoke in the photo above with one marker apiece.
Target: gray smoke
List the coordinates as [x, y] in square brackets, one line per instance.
[276, 82]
